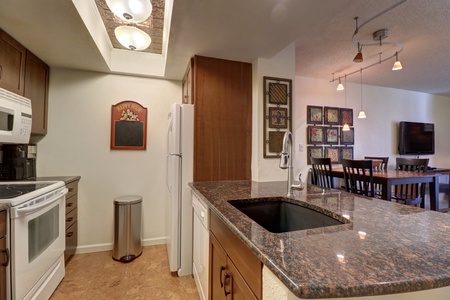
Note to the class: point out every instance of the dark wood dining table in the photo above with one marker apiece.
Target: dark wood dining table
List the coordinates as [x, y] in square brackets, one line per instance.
[389, 178]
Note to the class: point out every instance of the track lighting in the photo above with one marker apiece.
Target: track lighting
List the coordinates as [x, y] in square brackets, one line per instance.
[362, 114]
[359, 57]
[346, 127]
[340, 87]
[397, 65]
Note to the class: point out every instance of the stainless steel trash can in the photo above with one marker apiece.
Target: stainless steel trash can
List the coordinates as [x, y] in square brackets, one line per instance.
[127, 228]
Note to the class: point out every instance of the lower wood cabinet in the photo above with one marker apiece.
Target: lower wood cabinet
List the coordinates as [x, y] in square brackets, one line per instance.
[235, 271]
[71, 220]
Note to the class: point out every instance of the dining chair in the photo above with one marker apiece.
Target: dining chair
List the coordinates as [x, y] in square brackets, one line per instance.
[322, 172]
[414, 193]
[358, 177]
[383, 165]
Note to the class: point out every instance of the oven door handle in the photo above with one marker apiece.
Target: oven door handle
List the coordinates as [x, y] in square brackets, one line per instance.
[22, 211]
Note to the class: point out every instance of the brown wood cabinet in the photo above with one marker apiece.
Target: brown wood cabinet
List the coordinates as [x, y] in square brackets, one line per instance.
[12, 64]
[4, 255]
[235, 271]
[36, 89]
[71, 220]
[222, 96]
[188, 84]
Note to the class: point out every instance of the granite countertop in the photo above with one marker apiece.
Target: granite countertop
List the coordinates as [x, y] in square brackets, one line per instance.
[404, 249]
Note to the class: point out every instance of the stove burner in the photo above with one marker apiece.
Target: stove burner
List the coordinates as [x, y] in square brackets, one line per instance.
[7, 192]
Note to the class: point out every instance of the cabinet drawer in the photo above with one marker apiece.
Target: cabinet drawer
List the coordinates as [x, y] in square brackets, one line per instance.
[242, 256]
[71, 218]
[71, 203]
[3, 223]
[71, 241]
[73, 189]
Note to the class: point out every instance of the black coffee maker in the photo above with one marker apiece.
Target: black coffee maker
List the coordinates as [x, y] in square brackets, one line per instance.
[18, 162]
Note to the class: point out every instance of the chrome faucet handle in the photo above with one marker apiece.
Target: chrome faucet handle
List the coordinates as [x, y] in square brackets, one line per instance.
[299, 186]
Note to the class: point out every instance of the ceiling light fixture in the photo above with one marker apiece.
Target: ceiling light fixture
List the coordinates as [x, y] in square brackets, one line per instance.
[132, 38]
[346, 127]
[340, 87]
[362, 114]
[135, 11]
[397, 65]
[359, 57]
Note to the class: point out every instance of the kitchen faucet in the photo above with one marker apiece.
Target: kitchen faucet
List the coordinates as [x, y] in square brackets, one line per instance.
[286, 163]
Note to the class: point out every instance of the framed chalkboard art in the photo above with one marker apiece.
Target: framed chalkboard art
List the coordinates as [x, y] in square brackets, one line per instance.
[128, 126]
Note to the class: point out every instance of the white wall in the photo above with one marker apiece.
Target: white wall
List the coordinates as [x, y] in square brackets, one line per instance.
[280, 66]
[377, 134]
[78, 143]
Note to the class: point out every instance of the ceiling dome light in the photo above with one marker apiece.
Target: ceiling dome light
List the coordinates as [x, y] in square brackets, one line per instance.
[135, 11]
[132, 38]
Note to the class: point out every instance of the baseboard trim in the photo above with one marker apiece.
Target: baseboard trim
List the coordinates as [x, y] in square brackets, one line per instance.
[109, 246]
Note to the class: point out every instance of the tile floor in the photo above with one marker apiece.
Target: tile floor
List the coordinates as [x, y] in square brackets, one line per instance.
[98, 276]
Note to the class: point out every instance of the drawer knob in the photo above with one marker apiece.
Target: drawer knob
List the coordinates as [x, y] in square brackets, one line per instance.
[69, 219]
[70, 234]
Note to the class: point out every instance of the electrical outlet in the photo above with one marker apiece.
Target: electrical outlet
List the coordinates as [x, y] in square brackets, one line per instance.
[300, 147]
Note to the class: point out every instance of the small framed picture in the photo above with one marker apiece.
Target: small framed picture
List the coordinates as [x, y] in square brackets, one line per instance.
[331, 135]
[314, 151]
[278, 93]
[331, 115]
[348, 137]
[345, 153]
[333, 153]
[315, 114]
[346, 116]
[315, 135]
[278, 117]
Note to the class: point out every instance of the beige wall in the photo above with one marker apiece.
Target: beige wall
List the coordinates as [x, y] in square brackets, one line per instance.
[78, 143]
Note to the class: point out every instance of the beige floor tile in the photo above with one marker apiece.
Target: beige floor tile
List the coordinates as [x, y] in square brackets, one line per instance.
[98, 276]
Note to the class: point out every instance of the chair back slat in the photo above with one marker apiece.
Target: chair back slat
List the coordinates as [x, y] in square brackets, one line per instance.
[358, 176]
[322, 172]
[413, 193]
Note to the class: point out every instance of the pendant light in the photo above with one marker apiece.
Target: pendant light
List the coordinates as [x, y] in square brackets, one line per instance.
[135, 11]
[132, 38]
[362, 114]
[340, 87]
[346, 127]
[397, 65]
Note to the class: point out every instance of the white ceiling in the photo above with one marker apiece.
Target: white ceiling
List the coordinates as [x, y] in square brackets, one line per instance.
[245, 30]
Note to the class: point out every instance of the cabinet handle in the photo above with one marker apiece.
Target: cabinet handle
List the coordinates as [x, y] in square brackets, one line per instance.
[6, 252]
[69, 204]
[70, 190]
[69, 219]
[222, 268]
[227, 276]
[70, 234]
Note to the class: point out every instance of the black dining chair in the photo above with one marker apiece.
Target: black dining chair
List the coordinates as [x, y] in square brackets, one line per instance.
[322, 172]
[383, 165]
[358, 177]
[413, 193]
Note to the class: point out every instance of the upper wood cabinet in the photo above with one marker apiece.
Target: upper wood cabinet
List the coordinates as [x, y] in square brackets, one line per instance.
[36, 89]
[222, 97]
[12, 64]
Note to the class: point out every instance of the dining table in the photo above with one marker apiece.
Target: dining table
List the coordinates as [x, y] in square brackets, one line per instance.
[389, 178]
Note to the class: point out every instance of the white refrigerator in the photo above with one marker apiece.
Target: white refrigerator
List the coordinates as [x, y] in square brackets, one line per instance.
[180, 160]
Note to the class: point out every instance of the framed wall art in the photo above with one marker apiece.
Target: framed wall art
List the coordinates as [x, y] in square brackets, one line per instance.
[331, 115]
[333, 153]
[346, 116]
[348, 137]
[315, 135]
[314, 114]
[345, 153]
[314, 151]
[277, 114]
[331, 135]
[128, 126]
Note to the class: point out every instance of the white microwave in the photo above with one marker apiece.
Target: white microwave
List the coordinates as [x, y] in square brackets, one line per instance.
[15, 118]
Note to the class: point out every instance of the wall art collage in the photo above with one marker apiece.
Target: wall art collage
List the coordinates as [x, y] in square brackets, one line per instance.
[325, 137]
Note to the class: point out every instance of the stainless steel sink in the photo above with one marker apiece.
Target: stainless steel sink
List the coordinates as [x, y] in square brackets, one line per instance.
[278, 215]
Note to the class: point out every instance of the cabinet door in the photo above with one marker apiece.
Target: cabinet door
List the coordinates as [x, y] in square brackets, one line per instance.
[237, 285]
[36, 89]
[12, 64]
[217, 270]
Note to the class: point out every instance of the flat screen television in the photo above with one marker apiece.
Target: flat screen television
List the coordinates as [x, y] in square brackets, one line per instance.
[416, 138]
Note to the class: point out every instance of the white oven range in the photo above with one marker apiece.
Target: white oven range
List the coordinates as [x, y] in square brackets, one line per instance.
[36, 237]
